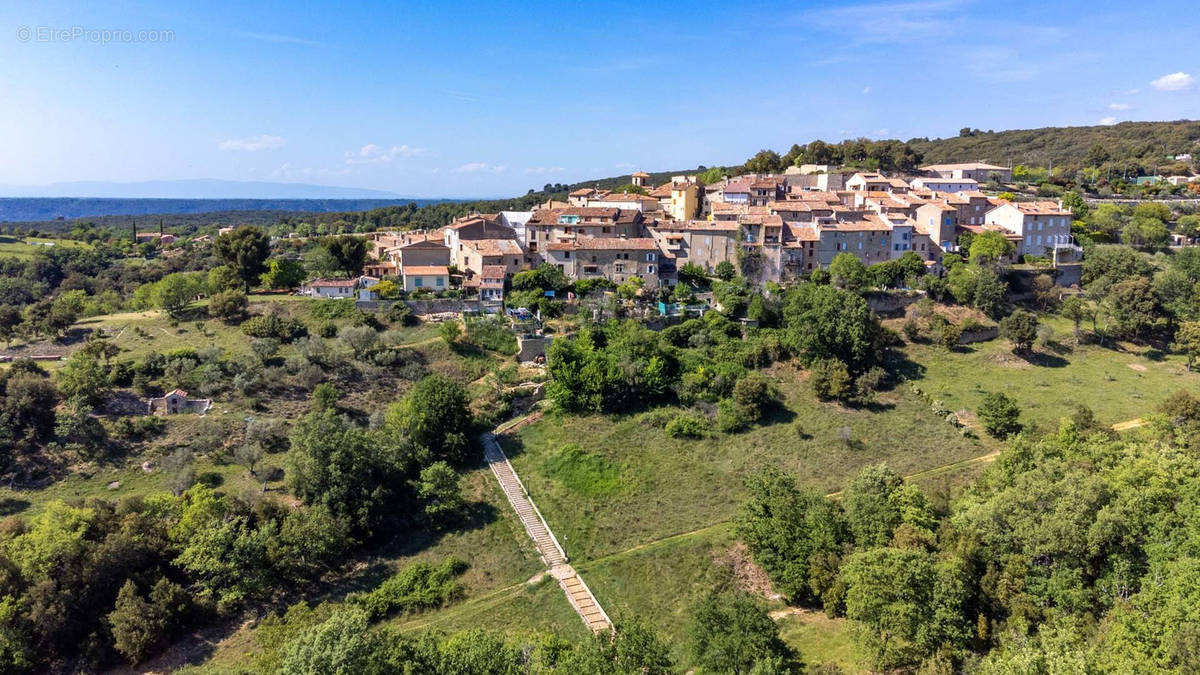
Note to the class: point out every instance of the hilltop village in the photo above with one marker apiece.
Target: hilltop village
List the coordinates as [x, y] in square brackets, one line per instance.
[772, 227]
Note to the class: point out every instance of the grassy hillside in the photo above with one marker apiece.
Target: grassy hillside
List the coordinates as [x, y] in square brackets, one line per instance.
[1062, 145]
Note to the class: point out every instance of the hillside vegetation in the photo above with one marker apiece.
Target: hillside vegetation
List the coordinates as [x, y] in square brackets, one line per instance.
[1150, 141]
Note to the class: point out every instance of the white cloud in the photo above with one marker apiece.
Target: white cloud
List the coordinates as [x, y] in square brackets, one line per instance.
[1119, 106]
[252, 143]
[1107, 121]
[480, 167]
[888, 21]
[866, 90]
[376, 154]
[1174, 82]
[544, 169]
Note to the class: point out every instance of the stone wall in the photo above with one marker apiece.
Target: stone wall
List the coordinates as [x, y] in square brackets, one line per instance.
[529, 347]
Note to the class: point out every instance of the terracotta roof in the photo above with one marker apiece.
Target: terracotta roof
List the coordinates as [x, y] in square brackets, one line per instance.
[426, 269]
[491, 247]
[332, 283]
[582, 192]
[799, 232]
[585, 243]
[493, 272]
[642, 174]
[1041, 209]
[977, 166]
[925, 180]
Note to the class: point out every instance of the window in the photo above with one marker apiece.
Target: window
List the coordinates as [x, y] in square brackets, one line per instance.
[419, 282]
[649, 257]
[441, 282]
[619, 267]
[649, 269]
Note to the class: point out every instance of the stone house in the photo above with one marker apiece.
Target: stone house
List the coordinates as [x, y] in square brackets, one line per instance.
[175, 402]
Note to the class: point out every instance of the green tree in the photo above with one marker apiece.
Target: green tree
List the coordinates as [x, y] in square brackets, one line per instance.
[83, 380]
[999, 415]
[871, 512]
[334, 463]
[174, 293]
[227, 305]
[732, 633]
[765, 161]
[1133, 306]
[848, 272]
[785, 527]
[450, 331]
[1020, 328]
[348, 253]
[725, 270]
[283, 273]
[136, 626]
[436, 416]
[341, 645]
[1187, 341]
[1108, 264]
[990, 246]
[1074, 201]
[245, 251]
[1146, 233]
[439, 490]
[631, 647]
[1077, 310]
[222, 278]
[823, 322]
[10, 319]
[905, 605]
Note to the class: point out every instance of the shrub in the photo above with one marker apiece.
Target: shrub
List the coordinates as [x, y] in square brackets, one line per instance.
[999, 413]
[400, 313]
[417, 586]
[362, 340]
[272, 326]
[341, 308]
[327, 329]
[831, 380]
[450, 332]
[1020, 328]
[949, 334]
[733, 418]
[657, 418]
[491, 334]
[724, 270]
[227, 305]
[687, 425]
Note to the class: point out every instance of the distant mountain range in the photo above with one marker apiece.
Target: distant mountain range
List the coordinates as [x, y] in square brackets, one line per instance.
[204, 188]
[43, 209]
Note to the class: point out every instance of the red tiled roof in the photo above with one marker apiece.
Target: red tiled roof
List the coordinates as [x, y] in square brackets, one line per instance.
[426, 269]
[584, 243]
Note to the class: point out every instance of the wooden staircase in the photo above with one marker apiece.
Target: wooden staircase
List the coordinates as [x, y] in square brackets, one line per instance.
[552, 554]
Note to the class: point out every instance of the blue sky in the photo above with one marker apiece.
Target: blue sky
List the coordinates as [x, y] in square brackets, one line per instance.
[493, 98]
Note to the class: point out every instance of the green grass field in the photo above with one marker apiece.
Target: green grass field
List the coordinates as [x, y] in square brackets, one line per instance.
[665, 486]
[1118, 383]
[25, 247]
